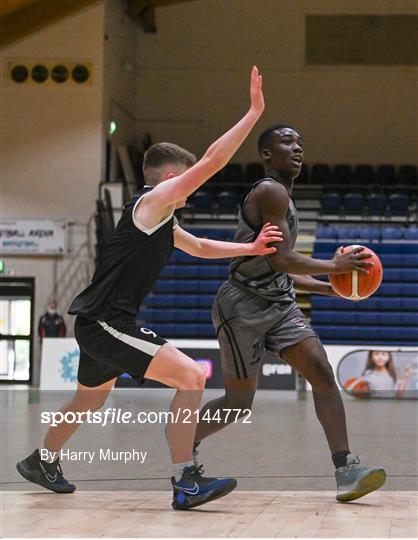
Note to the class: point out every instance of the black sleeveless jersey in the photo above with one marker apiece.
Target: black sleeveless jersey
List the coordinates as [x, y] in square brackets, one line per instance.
[130, 266]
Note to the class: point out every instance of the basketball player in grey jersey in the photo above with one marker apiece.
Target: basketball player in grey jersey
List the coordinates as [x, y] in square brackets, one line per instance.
[256, 310]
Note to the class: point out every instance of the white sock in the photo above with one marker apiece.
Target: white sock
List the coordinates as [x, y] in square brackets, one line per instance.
[179, 467]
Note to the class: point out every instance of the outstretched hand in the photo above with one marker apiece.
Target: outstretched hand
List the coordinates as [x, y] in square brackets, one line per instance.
[256, 91]
[268, 234]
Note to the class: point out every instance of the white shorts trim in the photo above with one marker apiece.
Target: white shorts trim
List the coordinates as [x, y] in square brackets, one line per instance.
[145, 346]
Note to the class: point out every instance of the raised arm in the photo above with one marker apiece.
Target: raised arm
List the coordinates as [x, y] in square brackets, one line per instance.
[177, 189]
[273, 202]
[214, 249]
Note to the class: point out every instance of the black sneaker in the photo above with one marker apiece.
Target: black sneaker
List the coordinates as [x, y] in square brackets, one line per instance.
[47, 475]
[193, 489]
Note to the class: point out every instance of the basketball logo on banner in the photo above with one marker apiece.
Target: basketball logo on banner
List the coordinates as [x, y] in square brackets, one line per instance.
[69, 366]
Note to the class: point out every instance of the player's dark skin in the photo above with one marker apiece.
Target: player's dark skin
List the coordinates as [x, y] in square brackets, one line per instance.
[269, 201]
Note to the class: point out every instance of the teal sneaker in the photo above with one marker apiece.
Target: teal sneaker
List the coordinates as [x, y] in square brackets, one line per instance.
[355, 481]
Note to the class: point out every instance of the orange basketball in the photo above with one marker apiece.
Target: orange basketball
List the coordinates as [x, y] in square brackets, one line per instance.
[358, 285]
[357, 387]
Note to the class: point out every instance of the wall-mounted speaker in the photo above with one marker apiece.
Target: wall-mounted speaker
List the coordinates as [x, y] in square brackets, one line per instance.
[49, 72]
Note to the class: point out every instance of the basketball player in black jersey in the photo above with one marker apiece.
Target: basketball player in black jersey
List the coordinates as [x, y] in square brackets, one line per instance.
[109, 340]
[256, 310]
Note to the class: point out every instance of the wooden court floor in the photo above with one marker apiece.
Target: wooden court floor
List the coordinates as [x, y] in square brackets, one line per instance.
[285, 475]
[298, 514]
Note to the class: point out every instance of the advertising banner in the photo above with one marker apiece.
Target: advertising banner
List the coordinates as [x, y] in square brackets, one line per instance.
[33, 237]
[360, 371]
[60, 358]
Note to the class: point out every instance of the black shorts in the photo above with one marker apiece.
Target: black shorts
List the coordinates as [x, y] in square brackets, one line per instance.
[108, 349]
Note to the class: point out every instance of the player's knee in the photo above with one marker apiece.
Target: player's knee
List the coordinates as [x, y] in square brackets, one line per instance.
[193, 379]
[323, 375]
[199, 377]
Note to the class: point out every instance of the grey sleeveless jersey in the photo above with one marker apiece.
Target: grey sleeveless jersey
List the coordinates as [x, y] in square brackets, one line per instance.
[255, 273]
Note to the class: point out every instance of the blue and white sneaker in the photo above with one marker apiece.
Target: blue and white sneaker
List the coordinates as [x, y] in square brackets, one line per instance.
[193, 489]
[354, 481]
[47, 475]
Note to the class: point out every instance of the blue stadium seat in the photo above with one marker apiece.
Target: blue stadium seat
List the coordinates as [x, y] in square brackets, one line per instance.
[411, 233]
[331, 203]
[365, 318]
[353, 203]
[386, 175]
[393, 274]
[227, 202]
[399, 204]
[232, 172]
[201, 201]
[347, 233]
[391, 260]
[220, 272]
[342, 174]
[369, 232]
[392, 233]
[410, 289]
[175, 315]
[364, 174]
[197, 231]
[376, 204]
[408, 175]
[187, 286]
[179, 300]
[221, 234]
[409, 304]
[254, 171]
[320, 173]
[326, 231]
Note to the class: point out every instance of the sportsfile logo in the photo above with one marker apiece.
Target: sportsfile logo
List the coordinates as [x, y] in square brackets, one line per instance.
[276, 369]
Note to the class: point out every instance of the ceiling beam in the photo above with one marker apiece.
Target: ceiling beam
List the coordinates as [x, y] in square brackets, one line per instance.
[33, 15]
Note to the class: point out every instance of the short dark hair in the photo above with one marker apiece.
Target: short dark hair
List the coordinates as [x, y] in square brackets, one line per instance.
[161, 154]
[264, 139]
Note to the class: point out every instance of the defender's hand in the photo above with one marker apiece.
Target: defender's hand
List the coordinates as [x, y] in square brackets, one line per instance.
[268, 234]
[350, 260]
[256, 92]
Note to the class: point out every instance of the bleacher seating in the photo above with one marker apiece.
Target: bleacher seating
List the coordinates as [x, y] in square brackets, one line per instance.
[331, 203]
[376, 204]
[320, 173]
[342, 174]
[353, 203]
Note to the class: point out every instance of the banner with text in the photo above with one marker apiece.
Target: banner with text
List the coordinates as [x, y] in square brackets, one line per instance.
[33, 237]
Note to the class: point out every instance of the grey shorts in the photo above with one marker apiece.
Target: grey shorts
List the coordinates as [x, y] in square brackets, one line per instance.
[247, 324]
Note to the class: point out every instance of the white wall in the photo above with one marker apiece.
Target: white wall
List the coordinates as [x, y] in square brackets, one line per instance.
[119, 88]
[51, 141]
[193, 75]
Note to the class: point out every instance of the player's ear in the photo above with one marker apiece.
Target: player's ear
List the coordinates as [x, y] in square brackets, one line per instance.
[266, 153]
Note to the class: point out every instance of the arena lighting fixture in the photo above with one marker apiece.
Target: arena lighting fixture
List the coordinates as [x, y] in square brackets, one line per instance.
[80, 73]
[39, 73]
[19, 74]
[112, 127]
[59, 74]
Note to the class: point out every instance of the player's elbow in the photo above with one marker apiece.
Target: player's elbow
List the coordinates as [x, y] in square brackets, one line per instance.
[213, 161]
[281, 263]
